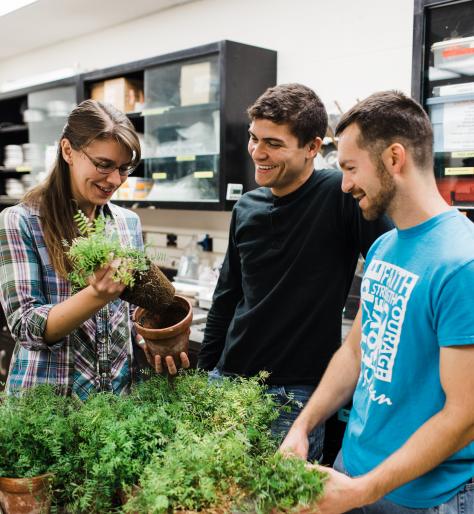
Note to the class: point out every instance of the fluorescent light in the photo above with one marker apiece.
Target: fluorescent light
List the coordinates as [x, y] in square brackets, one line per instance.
[49, 76]
[7, 6]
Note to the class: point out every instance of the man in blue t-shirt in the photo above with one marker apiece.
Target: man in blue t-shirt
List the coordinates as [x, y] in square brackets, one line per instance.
[408, 362]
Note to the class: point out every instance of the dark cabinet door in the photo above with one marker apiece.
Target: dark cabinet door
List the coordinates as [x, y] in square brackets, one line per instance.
[6, 350]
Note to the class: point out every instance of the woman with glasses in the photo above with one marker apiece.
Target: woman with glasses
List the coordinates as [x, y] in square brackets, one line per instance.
[81, 342]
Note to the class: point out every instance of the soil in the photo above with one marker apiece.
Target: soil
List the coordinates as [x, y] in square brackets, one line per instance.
[152, 291]
[172, 315]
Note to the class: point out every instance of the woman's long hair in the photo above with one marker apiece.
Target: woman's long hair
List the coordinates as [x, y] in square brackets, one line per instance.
[89, 121]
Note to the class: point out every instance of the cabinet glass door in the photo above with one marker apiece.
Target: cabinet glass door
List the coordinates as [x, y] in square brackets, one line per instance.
[449, 98]
[181, 146]
[46, 116]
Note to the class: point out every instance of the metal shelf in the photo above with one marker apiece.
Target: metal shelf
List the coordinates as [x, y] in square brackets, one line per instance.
[13, 128]
[9, 200]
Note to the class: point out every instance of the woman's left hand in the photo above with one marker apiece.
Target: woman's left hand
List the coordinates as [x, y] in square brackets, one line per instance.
[157, 362]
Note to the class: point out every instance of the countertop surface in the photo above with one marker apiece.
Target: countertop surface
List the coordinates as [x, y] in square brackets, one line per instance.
[199, 324]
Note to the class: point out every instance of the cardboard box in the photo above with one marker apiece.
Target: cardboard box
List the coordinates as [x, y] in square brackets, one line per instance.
[124, 94]
[195, 83]
[97, 91]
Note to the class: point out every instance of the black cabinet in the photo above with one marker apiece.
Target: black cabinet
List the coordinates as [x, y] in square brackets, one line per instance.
[443, 81]
[6, 349]
[31, 122]
[189, 108]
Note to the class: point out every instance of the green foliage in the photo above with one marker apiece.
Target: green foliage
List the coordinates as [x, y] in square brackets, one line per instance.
[189, 444]
[222, 454]
[96, 247]
[116, 437]
[35, 434]
[281, 483]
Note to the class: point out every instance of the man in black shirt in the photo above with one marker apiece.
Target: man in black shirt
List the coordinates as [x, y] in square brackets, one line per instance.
[293, 249]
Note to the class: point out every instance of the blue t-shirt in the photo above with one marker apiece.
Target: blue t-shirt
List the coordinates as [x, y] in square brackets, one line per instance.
[417, 295]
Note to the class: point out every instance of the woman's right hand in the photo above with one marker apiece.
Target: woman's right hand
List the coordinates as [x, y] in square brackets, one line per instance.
[103, 284]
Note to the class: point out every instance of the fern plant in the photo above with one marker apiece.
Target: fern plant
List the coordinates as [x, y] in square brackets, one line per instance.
[189, 445]
[97, 245]
[222, 456]
[35, 435]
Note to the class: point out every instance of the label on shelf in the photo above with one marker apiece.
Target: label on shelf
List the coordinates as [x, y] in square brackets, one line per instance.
[155, 110]
[462, 155]
[180, 158]
[203, 174]
[459, 171]
[159, 175]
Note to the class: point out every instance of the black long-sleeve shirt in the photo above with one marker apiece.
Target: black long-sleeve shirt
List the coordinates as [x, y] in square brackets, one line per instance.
[284, 281]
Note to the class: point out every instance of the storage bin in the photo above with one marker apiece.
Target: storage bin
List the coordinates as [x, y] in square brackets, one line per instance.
[455, 55]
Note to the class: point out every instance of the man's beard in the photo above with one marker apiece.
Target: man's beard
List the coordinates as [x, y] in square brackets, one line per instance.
[380, 204]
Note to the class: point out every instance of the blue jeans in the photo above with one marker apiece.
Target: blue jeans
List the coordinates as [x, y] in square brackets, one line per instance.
[293, 398]
[461, 503]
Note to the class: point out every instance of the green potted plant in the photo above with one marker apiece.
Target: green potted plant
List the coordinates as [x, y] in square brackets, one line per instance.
[222, 457]
[162, 318]
[186, 446]
[35, 438]
[116, 437]
[97, 245]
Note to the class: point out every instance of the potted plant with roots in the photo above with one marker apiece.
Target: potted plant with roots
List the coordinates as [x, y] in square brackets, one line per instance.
[162, 318]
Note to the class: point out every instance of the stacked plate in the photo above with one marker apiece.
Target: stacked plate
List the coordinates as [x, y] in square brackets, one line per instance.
[33, 155]
[13, 156]
[14, 187]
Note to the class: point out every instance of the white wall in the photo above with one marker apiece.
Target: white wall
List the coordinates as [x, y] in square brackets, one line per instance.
[344, 49]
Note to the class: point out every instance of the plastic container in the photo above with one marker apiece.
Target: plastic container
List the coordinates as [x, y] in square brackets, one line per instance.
[455, 55]
[190, 260]
[135, 188]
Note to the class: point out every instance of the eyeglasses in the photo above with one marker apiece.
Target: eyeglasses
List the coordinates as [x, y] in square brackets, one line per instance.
[124, 170]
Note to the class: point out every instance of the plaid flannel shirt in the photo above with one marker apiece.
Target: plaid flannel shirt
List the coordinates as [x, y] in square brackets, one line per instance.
[98, 355]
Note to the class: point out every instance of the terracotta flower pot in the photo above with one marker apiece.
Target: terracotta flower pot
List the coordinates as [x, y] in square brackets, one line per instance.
[152, 291]
[25, 495]
[167, 333]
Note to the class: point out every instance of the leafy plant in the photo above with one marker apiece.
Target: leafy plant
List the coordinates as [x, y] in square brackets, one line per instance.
[189, 444]
[97, 245]
[35, 435]
[116, 437]
[222, 455]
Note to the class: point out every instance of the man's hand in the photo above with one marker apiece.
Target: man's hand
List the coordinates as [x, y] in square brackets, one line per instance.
[157, 362]
[295, 443]
[341, 494]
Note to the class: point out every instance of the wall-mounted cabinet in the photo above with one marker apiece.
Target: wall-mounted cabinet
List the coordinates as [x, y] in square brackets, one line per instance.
[443, 81]
[189, 108]
[31, 122]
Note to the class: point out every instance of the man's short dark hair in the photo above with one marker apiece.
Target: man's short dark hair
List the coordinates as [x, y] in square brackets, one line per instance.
[297, 106]
[389, 117]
